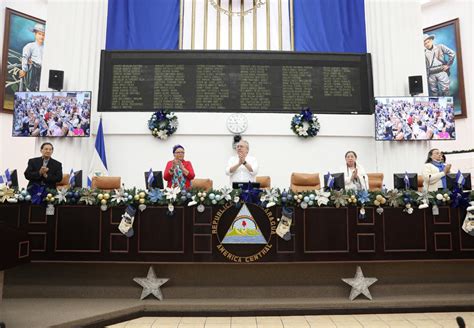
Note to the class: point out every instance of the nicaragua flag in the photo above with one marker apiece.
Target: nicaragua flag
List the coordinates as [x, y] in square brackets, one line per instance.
[330, 180]
[150, 178]
[98, 165]
[72, 179]
[8, 177]
[460, 179]
[407, 181]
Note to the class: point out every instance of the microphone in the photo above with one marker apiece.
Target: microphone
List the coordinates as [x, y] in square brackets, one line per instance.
[365, 182]
[460, 322]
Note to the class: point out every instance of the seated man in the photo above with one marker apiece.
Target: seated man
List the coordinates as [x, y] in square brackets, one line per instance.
[242, 168]
[43, 170]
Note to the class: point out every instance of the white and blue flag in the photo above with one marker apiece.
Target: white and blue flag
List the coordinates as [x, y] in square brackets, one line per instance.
[460, 179]
[407, 181]
[8, 177]
[72, 179]
[98, 165]
[151, 178]
[330, 180]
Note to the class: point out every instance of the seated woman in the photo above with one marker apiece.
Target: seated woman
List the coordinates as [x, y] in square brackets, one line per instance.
[434, 172]
[179, 172]
[355, 177]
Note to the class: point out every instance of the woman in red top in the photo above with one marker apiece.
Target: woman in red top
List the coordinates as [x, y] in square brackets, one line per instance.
[179, 172]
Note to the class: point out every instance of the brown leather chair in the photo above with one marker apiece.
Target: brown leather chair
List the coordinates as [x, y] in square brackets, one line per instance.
[204, 184]
[106, 183]
[305, 181]
[64, 183]
[265, 182]
[375, 181]
[421, 182]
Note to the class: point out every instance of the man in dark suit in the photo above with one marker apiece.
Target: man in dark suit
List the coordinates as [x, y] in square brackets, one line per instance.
[44, 171]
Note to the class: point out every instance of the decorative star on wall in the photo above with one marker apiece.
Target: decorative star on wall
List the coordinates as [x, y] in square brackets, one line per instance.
[360, 284]
[151, 284]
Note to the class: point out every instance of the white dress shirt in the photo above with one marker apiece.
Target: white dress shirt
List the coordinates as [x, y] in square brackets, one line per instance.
[34, 52]
[363, 178]
[242, 174]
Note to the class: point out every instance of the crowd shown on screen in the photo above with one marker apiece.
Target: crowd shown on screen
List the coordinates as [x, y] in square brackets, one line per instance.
[414, 121]
[55, 116]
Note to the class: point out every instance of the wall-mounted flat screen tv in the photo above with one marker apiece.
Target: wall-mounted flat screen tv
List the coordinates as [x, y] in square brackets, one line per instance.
[414, 118]
[52, 114]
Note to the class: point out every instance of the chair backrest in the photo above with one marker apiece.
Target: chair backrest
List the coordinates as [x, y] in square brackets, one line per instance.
[375, 181]
[421, 182]
[205, 184]
[305, 181]
[265, 182]
[106, 183]
[64, 183]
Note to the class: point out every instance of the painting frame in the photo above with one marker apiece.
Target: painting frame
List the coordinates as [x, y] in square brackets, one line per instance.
[448, 33]
[13, 39]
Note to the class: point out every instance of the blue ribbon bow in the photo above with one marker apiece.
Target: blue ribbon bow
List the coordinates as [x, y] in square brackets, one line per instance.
[160, 116]
[250, 194]
[38, 193]
[459, 198]
[307, 114]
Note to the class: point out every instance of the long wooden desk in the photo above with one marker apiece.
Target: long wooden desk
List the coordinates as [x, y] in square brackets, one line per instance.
[85, 233]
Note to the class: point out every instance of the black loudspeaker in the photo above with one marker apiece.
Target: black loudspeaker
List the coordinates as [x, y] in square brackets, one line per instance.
[415, 84]
[56, 79]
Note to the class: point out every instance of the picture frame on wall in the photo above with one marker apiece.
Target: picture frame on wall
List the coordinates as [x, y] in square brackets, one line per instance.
[443, 58]
[23, 44]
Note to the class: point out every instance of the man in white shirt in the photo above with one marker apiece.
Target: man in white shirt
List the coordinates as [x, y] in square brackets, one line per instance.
[32, 59]
[242, 168]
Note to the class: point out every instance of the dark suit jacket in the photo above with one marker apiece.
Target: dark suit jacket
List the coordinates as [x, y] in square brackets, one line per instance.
[55, 173]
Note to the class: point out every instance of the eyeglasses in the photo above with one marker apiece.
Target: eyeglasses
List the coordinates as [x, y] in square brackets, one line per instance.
[179, 152]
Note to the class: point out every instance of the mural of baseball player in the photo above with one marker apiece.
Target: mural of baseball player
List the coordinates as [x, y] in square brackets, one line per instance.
[439, 59]
[32, 57]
